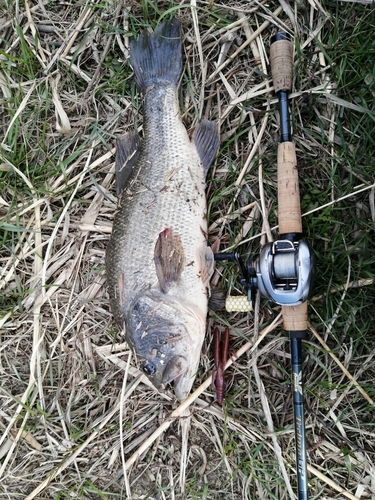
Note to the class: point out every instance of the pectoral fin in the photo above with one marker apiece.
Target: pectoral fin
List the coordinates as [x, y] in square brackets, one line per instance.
[168, 258]
[216, 301]
[128, 148]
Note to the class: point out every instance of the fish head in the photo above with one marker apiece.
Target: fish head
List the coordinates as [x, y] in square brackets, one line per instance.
[167, 337]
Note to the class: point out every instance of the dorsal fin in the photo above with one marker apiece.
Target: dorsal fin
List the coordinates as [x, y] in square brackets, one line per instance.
[128, 148]
[206, 140]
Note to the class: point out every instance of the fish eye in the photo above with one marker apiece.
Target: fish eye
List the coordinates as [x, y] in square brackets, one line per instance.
[148, 368]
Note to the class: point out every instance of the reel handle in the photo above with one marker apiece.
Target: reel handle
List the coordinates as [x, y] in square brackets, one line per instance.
[238, 303]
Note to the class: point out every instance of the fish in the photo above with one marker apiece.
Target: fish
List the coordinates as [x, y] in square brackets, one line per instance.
[158, 263]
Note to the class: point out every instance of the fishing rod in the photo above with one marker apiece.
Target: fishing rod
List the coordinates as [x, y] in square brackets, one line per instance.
[290, 230]
[283, 271]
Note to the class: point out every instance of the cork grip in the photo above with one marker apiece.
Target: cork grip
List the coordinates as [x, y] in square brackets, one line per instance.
[295, 317]
[288, 190]
[281, 57]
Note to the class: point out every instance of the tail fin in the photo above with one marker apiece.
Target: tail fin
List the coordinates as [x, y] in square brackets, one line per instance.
[156, 58]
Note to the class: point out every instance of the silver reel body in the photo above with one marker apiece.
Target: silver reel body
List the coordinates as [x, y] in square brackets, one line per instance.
[284, 272]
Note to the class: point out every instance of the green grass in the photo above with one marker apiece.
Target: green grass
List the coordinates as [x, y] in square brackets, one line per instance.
[77, 382]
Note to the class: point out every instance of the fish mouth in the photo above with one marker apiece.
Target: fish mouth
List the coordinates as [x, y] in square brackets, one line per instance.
[175, 371]
[182, 387]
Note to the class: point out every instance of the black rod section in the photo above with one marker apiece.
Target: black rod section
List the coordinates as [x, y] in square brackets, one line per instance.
[299, 417]
[285, 134]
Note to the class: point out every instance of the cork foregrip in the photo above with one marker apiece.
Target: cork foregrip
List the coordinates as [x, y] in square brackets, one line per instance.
[281, 57]
[295, 317]
[288, 189]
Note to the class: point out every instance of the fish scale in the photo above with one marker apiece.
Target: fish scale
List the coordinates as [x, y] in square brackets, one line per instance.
[155, 205]
[161, 300]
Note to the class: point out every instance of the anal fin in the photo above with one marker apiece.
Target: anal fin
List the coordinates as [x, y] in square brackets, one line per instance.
[206, 139]
[128, 148]
[168, 258]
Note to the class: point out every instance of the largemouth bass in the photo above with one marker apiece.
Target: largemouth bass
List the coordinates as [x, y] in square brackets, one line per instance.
[158, 263]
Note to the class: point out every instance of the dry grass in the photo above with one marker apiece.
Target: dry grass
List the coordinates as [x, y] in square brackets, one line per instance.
[78, 420]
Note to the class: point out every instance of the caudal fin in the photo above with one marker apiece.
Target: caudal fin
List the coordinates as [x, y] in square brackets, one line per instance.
[156, 58]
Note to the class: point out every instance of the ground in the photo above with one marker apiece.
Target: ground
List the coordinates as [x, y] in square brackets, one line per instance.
[75, 409]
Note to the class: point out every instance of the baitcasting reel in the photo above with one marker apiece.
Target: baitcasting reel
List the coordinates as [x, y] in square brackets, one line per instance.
[283, 273]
